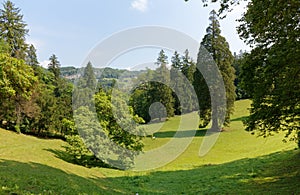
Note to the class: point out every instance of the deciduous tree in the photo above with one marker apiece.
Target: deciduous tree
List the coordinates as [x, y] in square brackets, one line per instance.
[271, 71]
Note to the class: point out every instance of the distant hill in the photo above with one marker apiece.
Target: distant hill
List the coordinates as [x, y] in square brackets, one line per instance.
[106, 76]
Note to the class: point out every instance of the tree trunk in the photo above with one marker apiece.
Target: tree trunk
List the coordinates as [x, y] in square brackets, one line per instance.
[215, 121]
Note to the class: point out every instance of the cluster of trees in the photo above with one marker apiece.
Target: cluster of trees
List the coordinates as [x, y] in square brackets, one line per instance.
[39, 101]
[33, 100]
[163, 86]
[174, 88]
[270, 72]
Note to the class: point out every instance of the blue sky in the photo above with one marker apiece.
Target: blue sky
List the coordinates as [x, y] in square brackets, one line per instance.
[71, 28]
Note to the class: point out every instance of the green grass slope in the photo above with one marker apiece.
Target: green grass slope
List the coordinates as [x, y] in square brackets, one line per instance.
[238, 163]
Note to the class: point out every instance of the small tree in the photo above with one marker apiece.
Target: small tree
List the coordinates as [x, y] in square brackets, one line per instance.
[54, 66]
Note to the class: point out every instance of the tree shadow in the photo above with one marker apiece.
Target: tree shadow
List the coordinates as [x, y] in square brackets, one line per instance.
[274, 173]
[243, 118]
[34, 178]
[184, 134]
[278, 172]
[88, 161]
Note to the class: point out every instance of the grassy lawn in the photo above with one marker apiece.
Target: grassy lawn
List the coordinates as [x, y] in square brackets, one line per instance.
[237, 163]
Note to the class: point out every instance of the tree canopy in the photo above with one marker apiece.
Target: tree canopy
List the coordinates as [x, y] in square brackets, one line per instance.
[271, 73]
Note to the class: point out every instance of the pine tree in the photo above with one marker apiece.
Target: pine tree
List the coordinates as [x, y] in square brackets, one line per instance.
[54, 66]
[176, 61]
[182, 73]
[218, 48]
[177, 81]
[31, 58]
[89, 76]
[161, 90]
[13, 29]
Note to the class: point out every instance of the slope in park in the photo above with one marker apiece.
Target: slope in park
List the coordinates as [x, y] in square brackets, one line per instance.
[238, 163]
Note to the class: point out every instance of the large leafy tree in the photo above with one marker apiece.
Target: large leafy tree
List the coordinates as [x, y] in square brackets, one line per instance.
[16, 87]
[218, 48]
[102, 121]
[13, 29]
[271, 71]
[142, 96]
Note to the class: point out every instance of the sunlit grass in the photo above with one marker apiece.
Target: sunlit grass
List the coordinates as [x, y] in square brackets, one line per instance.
[238, 163]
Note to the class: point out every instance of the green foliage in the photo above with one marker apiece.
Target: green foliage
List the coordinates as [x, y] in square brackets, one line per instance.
[110, 119]
[154, 87]
[54, 66]
[101, 119]
[13, 29]
[31, 58]
[161, 91]
[271, 73]
[218, 48]
[16, 83]
[77, 149]
[182, 76]
[237, 63]
[89, 76]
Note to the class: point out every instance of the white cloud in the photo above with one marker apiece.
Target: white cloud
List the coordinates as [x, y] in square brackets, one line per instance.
[44, 63]
[140, 5]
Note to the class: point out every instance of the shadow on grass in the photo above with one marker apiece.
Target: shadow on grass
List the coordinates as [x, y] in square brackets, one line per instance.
[243, 118]
[184, 134]
[88, 161]
[275, 173]
[34, 178]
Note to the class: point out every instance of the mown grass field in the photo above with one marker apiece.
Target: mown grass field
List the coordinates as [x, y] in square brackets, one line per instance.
[238, 163]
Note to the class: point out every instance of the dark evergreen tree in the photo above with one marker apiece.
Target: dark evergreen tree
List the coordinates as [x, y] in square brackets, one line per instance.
[176, 61]
[31, 58]
[177, 81]
[161, 88]
[13, 29]
[54, 66]
[89, 76]
[218, 48]
[186, 61]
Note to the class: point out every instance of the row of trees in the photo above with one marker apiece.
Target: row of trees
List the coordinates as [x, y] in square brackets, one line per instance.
[174, 88]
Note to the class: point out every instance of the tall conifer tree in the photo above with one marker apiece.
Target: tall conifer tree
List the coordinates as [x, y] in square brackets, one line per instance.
[13, 29]
[218, 48]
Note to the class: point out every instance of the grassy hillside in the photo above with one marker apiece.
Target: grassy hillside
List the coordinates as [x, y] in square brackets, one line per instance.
[238, 163]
